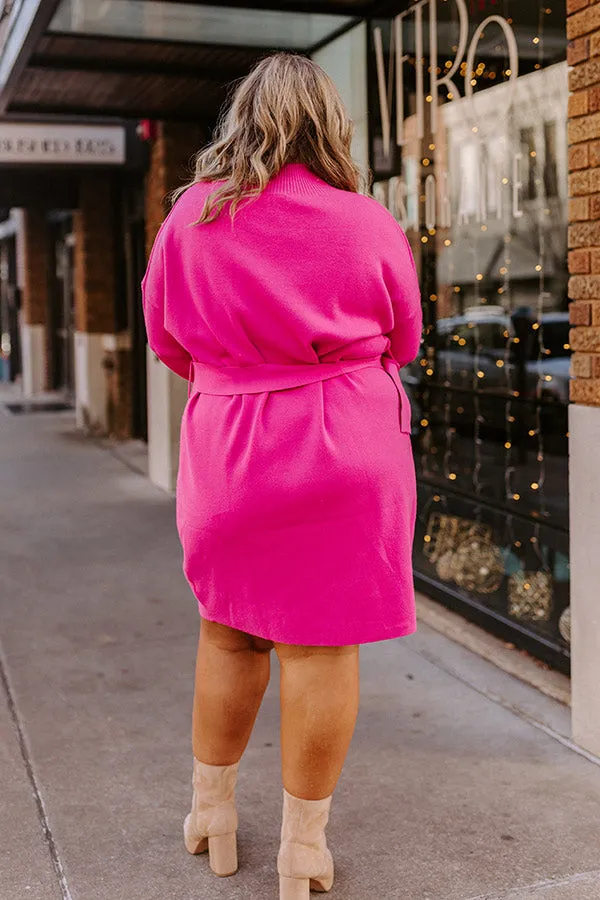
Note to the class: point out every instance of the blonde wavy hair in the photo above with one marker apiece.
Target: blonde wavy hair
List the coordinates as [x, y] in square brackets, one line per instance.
[287, 110]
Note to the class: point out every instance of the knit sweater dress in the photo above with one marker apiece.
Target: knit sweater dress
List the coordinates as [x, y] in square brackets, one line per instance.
[296, 483]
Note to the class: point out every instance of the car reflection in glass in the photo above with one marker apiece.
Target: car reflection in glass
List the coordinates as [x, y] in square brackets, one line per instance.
[487, 358]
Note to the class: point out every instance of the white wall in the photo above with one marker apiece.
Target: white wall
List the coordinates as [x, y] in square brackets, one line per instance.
[33, 353]
[167, 396]
[584, 500]
[345, 60]
[91, 409]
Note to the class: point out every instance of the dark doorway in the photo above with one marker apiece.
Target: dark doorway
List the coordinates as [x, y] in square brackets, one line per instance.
[135, 258]
[62, 302]
[10, 342]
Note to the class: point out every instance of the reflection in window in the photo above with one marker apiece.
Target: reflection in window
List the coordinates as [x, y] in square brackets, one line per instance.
[550, 169]
[529, 163]
[200, 23]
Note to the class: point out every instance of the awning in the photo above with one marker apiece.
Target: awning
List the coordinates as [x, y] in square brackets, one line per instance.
[163, 59]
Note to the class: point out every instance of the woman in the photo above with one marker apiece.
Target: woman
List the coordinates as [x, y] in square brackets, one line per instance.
[289, 300]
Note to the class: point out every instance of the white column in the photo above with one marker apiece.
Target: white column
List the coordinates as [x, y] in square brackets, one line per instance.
[33, 358]
[167, 396]
[584, 481]
[90, 382]
[345, 60]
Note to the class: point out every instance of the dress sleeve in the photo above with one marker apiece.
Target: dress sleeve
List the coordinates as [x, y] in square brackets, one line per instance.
[154, 298]
[405, 294]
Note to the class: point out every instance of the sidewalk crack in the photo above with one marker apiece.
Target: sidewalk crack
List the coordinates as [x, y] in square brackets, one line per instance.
[509, 707]
[37, 795]
[539, 888]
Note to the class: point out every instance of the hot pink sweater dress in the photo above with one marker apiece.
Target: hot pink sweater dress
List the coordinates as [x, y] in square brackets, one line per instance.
[296, 484]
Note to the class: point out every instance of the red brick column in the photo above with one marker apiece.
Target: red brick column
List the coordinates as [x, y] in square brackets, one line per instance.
[171, 164]
[103, 357]
[36, 260]
[93, 226]
[35, 301]
[583, 31]
[171, 161]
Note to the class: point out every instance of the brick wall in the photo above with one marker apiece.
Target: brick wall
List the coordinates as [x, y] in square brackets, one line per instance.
[120, 393]
[93, 226]
[171, 164]
[583, 55]
[35, 298]
[96, 289]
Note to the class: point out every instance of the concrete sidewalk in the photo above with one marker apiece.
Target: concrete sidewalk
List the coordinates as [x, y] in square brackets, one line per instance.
[461, 783]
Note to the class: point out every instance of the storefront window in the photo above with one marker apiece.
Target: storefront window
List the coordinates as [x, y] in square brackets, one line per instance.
[468, 108]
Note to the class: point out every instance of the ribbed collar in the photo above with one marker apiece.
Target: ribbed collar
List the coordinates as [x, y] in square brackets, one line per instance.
[296, 178]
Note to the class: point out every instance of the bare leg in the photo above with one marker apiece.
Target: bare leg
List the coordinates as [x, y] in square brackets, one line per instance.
[319, 705]
[232, 673]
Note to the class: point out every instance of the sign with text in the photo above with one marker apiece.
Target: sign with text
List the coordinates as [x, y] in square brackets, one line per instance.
[44, 143]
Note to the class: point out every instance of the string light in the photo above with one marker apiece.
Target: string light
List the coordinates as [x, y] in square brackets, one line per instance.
[441, 457]
[542, 378]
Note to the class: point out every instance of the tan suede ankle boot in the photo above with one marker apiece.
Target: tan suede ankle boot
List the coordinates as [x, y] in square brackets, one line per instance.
[213, 821]
[304, 861]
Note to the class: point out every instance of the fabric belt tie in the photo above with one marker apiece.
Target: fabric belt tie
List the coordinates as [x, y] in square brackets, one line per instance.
[258, 379]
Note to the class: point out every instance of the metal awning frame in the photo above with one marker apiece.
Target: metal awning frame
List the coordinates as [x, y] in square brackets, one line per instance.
[34, 17]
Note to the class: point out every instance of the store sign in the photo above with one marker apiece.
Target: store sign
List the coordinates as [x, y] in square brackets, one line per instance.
[501, 181]
[43, 143]
[429, 96]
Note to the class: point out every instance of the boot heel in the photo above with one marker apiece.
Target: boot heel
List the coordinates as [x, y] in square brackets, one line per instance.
[222, 853]
[294, 888]
[321, 885]
[193, 843]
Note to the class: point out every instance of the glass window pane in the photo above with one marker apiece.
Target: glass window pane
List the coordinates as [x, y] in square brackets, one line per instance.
[479, 155]
[202, 24]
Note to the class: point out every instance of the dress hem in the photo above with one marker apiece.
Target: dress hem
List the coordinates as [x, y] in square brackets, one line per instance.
[387, 633]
